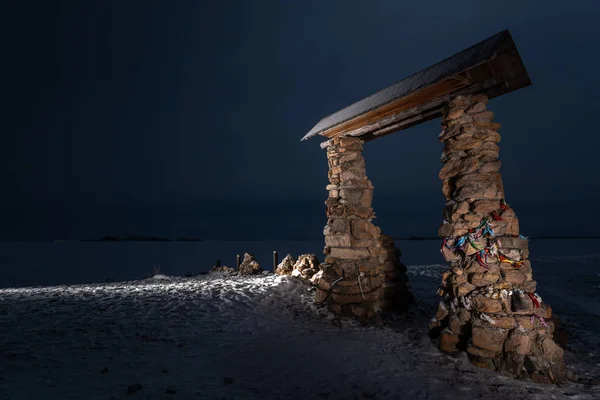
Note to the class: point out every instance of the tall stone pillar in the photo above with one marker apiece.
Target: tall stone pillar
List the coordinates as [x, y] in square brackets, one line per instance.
[489, 306]
[362, 272]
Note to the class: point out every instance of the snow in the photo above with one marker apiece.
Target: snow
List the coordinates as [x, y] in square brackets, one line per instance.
[161, 277]
[220, 337]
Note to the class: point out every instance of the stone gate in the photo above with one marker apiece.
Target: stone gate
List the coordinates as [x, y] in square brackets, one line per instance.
[489, 306]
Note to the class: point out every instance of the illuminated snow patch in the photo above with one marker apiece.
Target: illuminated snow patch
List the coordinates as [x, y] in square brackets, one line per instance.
[262, 335]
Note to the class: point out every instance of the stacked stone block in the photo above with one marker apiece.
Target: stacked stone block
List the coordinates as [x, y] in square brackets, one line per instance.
[395, 293]
[489, 306]
[362, 273]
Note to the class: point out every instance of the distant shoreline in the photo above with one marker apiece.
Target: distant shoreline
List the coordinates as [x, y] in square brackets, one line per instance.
[528, 237]
[184, 239]
[154, 239]
[139, 238]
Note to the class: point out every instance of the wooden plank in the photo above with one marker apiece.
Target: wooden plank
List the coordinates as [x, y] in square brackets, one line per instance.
[427, 112]
[434, 106]
[493, 77]
[394, 107]
[457, 84]
[407, 124]
[414, 99]
[495, 61]
[424, 116]
[397, 119]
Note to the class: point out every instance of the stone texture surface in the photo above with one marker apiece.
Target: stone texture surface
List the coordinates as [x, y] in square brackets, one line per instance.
[306, 266]
[489, 306]
[249, 266]
[362, 272]
[286, 266]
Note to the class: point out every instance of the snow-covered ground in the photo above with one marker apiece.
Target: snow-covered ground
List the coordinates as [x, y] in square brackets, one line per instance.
[217, 337]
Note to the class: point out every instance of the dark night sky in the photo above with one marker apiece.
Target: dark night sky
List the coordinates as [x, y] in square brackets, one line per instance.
[185, 117]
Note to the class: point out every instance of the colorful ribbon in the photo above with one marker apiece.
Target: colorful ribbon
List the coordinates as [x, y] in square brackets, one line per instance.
[484, 228]
[534, 299]
[533, 317]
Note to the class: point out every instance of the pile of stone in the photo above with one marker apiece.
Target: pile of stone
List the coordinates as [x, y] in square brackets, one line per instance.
[305, 268]
[362, 273]
[395, 293]
[489, 306]
[249, 266]
[286, 266]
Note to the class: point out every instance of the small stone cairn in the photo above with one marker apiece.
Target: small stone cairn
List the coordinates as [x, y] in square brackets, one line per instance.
[489, 306]
[249, 266]
[305, 268]
[286, 266]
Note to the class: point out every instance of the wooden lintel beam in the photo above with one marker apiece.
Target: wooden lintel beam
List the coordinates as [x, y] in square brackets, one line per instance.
[384, 113]
[493, 66]
[464, 83]
[431, 111]
[424, 116]
[397, 119]
[413, 116]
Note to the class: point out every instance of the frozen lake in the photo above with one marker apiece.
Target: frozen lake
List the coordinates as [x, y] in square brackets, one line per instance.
[51, 263]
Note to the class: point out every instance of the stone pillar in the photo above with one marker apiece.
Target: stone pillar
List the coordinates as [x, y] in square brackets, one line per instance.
[489, 306]
[362, 272]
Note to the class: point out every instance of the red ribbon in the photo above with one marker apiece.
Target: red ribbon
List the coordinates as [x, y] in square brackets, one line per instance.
[481, 262]
[532, 297]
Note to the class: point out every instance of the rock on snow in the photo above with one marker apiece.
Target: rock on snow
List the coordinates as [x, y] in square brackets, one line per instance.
[220, 337]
